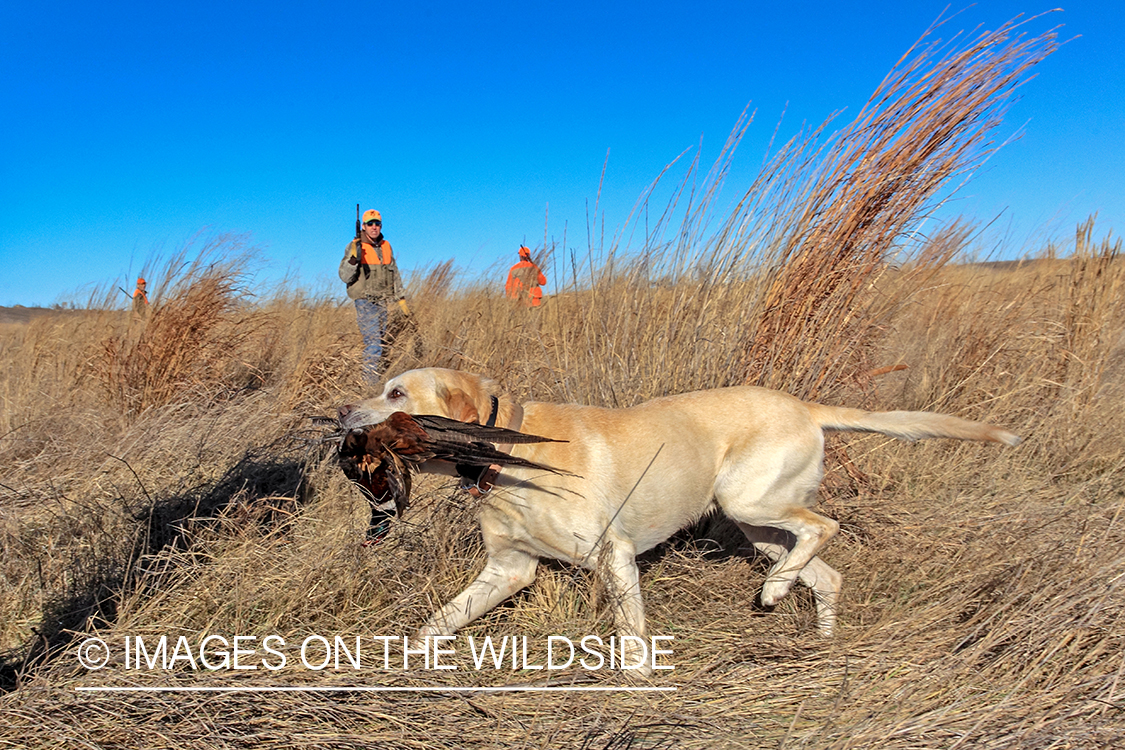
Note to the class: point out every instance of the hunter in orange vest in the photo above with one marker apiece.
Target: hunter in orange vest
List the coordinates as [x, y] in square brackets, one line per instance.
[525, 280]
[140, 298]
[373, 283]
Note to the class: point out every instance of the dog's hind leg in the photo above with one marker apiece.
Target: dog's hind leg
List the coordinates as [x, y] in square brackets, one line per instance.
[774, 489]
[506, 572]
[823, 579]
[812, 531]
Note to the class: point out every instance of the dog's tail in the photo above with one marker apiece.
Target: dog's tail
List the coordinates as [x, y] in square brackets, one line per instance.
[908, 425]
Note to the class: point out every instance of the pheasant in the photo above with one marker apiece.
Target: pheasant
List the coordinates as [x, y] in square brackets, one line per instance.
[380, 458]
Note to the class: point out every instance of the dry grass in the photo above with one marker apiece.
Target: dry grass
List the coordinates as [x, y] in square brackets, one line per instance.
[154, 480]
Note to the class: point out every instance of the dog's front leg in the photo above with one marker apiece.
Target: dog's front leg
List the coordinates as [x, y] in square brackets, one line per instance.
[506, 572]
[628, 607]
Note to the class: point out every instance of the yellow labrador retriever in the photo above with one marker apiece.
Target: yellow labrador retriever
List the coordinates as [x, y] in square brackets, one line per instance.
[635, 476]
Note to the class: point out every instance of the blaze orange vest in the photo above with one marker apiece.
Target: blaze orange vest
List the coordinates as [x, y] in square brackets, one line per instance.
[372, 257]
[525, 276]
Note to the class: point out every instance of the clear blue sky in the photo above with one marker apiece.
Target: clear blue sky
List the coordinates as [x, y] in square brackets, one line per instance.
[126, 128]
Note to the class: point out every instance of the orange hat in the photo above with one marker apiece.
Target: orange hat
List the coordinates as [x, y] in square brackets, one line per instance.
[140, 280]
[525, 252]
[370, 214]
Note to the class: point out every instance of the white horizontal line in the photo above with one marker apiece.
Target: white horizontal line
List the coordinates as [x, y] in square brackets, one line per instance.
[379, 689]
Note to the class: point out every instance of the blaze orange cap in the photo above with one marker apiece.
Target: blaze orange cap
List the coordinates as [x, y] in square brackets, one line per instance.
[370, 214]
[525, 252]
[140, 280]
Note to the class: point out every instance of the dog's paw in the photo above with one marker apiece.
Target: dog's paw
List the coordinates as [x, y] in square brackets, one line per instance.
[636, 665]
[773, 592]
[635, 661]
[639, 673]
[418, 639]
[760, 607]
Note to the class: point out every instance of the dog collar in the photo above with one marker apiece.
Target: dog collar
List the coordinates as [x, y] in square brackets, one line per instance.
[483, 483]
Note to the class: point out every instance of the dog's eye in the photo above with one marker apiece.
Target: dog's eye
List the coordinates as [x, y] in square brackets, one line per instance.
[395, 393]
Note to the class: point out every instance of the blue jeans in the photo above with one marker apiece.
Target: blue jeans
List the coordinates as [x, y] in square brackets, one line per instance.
[372, 319]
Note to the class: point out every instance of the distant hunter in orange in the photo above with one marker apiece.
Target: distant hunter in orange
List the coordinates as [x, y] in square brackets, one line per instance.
[525, 281]
[140, 298]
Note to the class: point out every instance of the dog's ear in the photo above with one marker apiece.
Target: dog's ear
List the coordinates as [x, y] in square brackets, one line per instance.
[468, 398]
[461, 407]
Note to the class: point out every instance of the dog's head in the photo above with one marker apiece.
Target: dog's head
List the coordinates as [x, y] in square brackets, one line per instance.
[447, 393]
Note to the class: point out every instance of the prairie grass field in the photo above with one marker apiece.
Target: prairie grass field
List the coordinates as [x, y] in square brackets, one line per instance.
[160, 476]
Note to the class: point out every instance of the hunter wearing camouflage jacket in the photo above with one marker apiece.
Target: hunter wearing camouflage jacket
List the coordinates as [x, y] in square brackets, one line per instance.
[378, 279]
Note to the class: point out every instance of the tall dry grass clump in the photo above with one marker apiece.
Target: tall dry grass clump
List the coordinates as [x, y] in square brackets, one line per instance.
[862, 195]
[143, 495]
[186, 340]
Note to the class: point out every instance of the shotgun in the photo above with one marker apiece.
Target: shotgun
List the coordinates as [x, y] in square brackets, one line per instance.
[358, 235]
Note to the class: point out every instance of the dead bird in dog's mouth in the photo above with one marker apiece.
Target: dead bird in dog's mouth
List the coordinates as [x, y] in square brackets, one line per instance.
[380, 457]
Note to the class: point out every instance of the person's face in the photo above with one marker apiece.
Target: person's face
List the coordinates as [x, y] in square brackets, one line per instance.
[373, 228]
